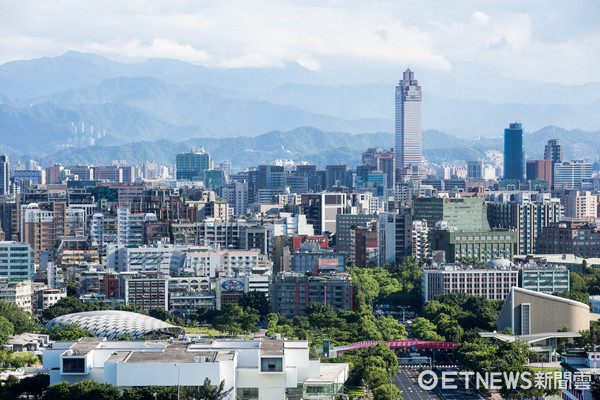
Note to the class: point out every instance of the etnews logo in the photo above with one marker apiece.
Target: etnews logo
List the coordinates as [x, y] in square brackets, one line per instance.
[429, 380]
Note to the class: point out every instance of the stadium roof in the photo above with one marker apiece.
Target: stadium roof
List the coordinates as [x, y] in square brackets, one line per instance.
[111, 324]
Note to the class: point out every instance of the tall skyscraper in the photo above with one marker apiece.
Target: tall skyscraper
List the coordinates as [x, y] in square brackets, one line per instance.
[553, 151]
[514, 156]
[408, 122]
[4, 175]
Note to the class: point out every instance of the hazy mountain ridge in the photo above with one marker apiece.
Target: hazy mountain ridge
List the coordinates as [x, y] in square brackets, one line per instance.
[175, 100]
[326, 148]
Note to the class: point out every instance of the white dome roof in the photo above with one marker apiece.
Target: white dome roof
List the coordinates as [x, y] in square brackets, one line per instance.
[112, 323]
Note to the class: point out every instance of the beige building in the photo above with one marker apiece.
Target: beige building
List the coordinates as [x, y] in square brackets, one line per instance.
[581, 204]
[527, 312]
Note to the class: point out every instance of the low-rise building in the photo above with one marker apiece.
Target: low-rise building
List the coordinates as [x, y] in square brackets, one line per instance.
[18, 292]
[267, 369]
[480, 245]
[544, 279]
[492, 282]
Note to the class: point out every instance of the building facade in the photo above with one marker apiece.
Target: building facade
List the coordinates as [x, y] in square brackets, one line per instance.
[514, 156]
[408, 133]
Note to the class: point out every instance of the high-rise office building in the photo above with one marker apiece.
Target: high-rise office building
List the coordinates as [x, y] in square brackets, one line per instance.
[408, 122]
[190, 166]
[570, 174]
[475, 169]
[4, 175]
[514, 156]
[553, 151]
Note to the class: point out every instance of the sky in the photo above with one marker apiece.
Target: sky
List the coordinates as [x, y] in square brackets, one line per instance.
[545, 40]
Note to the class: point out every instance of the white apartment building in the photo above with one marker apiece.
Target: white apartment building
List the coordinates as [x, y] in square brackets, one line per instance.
[130, 227]
[290, 225]
[18, 292]
[162, 258]
[255, 370]
[202, 261]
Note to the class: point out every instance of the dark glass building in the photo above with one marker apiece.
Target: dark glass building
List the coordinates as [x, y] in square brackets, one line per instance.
[514, 156]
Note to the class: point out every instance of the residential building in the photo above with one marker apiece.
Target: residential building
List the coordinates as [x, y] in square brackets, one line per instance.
[344, 224]
[4, 175]
[16, 261]
[146, 291]
[48, 297]
[553, 151]
[514, 155]
[265, 369]
[236, 195]
[475, 169]
[570, 237]
[525, 212]
[408, 133]
[394, 236]
[310, 256]
[293, 292]
[580, 204]
[421, 248]
[479, 245]
[321, 210]
[491, 283]
[135, 258]
[17, 292]
[570, 174]
[130, 226]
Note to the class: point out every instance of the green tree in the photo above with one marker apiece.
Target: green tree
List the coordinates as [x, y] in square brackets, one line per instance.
[68, 305]
[236, 320]
[147, 393]
[207, 391]
[424, 329]
[72, 290]
[160, 313]
[20, 319]
[68, 332]
[7, 329]
[205, 315]
[257, 301]
[390, 329]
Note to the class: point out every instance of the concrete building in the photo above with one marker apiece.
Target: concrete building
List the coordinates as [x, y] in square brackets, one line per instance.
[383, 161]
[146, 291]
[321, 210]
[544, 279]
[293, 292]
[570, 174]
[539, 170]
[475, 170]
[570, 237]
[526, 212]
[311, 256]
[460, 213]
[48, 297]
[343, 228]
[130, 226]
[480, 245]
[492, 283]
[421, 248]
[202, 261]
[236, 195]
[528, 312]
[553, 151]
[394, 237]
[408, 133]
[4, 175]
[133, 258]
[267, 369]
[18, 292]
[30, 176]
[16, 261]
[191, 166]
[580, 204]
[580, 370]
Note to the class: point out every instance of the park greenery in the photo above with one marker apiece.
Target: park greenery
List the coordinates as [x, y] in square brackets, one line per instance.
[87, 390]
[30, 387]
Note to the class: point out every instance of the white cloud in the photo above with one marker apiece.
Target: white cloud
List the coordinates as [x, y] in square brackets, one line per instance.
[509, 37]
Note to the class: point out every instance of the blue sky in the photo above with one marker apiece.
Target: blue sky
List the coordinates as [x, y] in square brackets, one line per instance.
[551, 41]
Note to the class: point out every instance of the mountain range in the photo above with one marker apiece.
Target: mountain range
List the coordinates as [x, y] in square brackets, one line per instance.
[324, 148]
[160, 99]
